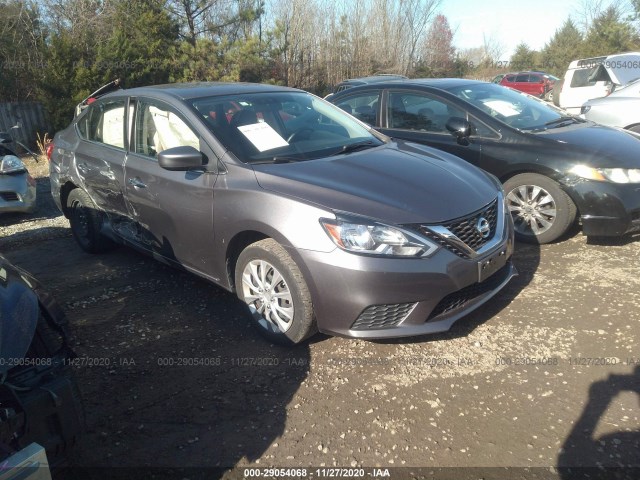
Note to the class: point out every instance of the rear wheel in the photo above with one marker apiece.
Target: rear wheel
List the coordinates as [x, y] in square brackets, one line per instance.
[271, 284]
[541, 210]
[86, 221]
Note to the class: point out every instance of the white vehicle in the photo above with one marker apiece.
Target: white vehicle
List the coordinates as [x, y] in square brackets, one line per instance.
[620, 109]
[594, 78]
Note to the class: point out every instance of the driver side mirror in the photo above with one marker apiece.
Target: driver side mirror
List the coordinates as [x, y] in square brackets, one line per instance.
[459, 128]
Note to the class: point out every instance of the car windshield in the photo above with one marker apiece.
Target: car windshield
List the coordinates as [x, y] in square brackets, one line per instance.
[277, 127]
[628, 89]
[511, 107]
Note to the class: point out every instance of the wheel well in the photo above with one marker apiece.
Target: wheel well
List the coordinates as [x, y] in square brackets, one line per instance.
[236, 246]
[64, 194]
[634, 127]
[509, 175]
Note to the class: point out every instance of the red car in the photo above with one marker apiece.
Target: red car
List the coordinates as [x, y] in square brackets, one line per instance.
[539, 84]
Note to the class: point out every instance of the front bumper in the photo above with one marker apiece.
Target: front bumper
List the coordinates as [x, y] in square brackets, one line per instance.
[607, 209]
[17, 193]
[372, 297]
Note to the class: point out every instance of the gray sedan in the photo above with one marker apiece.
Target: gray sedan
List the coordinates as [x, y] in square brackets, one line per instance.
[620, 109]
[313, 219]
[17, 187]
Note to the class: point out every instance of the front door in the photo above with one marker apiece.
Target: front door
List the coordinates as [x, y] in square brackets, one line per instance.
[173, 210]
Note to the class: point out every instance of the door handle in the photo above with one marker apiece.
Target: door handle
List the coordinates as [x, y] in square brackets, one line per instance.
[136, 183]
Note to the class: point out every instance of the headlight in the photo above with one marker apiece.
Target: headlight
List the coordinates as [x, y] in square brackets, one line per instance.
[584, 109]
[615, 175]
[372, 238]
[11, 164]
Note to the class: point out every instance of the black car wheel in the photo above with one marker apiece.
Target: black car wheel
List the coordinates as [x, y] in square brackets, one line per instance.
[271, 284]
[86, 221]
[542, 212]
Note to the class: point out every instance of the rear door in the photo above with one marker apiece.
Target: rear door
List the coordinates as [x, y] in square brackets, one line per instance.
[422, 116]
[173, 210]
[521, 82]
[536, 85]
[364, 105]
[100, 155]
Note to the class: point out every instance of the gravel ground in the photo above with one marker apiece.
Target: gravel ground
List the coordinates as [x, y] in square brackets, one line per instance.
[173, 375]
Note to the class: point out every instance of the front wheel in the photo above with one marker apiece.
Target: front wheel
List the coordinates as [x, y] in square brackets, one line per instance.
[271, 284]
[542, 212]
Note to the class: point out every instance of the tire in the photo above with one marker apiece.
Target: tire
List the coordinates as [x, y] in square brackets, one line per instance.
[557, 87]
[292, 320]
[86, 221]
[541, 211]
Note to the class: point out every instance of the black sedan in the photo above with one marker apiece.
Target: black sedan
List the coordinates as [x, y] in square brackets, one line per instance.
[556, 169]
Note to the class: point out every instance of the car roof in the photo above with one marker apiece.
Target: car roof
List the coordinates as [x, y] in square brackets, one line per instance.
[186, 91]
[439, 83]
[374, 78]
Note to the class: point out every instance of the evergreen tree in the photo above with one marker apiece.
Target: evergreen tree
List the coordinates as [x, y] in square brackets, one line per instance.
[565, 45]
[523, 58]
[610, 34]
[141, 46]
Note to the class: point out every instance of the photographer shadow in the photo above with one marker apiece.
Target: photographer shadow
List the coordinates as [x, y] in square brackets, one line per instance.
[614, 456]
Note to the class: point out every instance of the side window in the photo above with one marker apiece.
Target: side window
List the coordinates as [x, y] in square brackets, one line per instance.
[363, 106]
[581, 78]
[479, 129]
[158, 128]
[104, 123]
[416, 111]
[522, 78]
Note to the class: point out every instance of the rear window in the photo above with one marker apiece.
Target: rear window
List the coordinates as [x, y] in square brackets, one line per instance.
[581, 78]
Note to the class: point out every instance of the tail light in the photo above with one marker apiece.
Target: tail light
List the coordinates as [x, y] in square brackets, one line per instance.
[49, 150]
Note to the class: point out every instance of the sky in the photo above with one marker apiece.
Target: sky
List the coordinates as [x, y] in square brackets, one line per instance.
[508, 21]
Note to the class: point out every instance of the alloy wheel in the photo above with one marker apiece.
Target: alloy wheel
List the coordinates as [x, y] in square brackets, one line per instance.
[533, 209]
[268, 296]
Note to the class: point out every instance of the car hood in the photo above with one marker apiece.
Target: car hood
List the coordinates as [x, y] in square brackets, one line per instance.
[395, 183]
[620, 102]
[18, 314]
[597, 145]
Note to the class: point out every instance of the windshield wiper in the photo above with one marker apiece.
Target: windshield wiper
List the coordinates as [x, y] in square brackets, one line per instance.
[276, 160]
[352, 147]
[562, 119]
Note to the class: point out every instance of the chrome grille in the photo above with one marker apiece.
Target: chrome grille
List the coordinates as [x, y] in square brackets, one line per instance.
[382, 316]
[465, 230]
